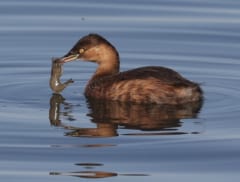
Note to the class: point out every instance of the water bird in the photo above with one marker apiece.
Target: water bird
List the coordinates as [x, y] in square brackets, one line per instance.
[151, 84]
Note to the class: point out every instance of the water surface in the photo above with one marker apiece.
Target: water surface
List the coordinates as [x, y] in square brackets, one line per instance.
[46, 137]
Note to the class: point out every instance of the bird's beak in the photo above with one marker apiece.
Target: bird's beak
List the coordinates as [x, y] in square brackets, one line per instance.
[69, 58]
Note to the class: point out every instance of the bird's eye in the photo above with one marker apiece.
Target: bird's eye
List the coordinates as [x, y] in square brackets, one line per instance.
[81, 50]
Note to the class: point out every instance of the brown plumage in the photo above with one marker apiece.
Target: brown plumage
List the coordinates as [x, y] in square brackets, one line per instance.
[152, 84]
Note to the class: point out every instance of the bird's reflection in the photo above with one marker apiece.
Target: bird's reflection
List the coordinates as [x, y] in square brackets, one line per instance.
[110, 115]
[94, 174]
[91, 173]
[86, 174]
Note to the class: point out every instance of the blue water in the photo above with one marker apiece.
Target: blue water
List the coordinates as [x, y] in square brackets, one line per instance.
[199, 39]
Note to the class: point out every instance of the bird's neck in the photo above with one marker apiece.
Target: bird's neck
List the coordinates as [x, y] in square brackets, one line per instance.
[109, 65]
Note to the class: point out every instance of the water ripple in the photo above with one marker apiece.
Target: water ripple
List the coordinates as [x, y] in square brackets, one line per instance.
[199, 39]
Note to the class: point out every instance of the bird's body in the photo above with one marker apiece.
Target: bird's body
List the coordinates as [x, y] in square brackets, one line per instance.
[144, 85]
[151, 84]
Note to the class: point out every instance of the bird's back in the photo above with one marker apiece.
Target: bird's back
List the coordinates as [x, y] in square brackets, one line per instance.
[145, 85]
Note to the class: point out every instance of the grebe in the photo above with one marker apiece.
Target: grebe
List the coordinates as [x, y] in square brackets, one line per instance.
[151, 84]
